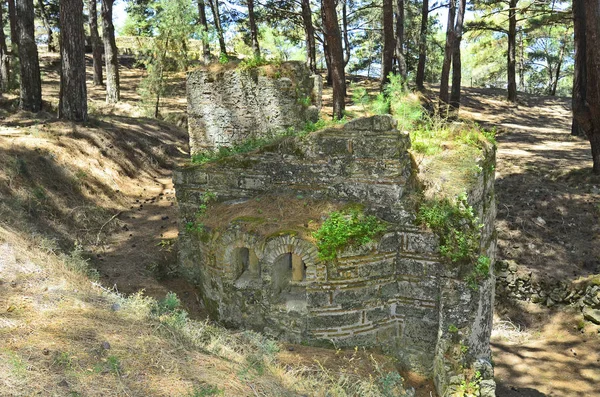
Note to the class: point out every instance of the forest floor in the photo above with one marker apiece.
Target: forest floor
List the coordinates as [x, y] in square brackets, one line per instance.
[112, 179]
[548, 221]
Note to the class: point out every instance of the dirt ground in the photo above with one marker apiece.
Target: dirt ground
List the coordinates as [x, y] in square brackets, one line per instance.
[548, 220]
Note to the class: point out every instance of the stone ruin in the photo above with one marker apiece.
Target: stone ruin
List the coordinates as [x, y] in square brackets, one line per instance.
[395, 294]
[229, 105]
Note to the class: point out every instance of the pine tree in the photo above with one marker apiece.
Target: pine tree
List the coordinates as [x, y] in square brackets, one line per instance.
[29, 64]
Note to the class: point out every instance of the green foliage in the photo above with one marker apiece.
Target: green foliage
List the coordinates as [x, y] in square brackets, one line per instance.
[390, 384]
[360, 97]
[452, 329]
[246, 146]
[343, 229]
[167, 52]
[458, 229]
[470, 387]
[479, 273]
[205, 390]
[253, 62]
[196, 226]
[223, 58]
[381, 104]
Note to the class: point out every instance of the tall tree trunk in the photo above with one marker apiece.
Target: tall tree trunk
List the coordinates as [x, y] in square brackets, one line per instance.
[345, 33]
[14, 34]
[96, 43]
[253, 29]
[586, 90]
[422, 46]
[512, 49]
[309, 32]
[456, 61]
[111, 57]
[30, 82]
[204, 25]
[4, 57]
[332, 35]
[72, 103]
[214, 7]
[388, 41]
[521, 61]
[46, 23]
[399, 40]
[448, 49]
[327, 57]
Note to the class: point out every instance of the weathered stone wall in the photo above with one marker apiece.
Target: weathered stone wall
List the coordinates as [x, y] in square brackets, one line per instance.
[395, 294]
[230, 105]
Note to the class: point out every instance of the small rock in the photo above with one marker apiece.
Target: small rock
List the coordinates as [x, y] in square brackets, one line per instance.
[550, 302]
[592, 315]
[45, 351]
[115, 307]
[63, 383]
[487, 388]
[106, 345]
[291, 348]
[164, 218]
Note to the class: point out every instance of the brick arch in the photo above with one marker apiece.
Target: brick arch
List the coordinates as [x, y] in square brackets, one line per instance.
[230, 243]
[278, 246]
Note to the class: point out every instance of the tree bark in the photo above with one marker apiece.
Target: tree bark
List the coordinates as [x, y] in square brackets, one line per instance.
[214, 7]
[445, 77]
[96, 43]
[512, 50]
[309, 32]
[332, 35]
[388, 41]
[420, 79]
[253, 29]
[30, 82]
[456, 61]
[204, 25]
[14, 34]
[4, 57]
[586, 90]
[111, 57]
[72, 103]
[46, 23]
[399, 40]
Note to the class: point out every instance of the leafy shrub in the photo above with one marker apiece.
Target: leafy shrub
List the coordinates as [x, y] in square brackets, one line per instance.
[344, 229]
[458, 229]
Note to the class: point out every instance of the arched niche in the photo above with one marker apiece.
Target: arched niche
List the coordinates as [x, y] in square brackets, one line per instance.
[245, 262]
[288, 268]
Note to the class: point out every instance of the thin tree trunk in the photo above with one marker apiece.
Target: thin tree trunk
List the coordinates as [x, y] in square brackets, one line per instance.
[399, 40]
[332, 35]
[512, 45]
[253, 29]
[111, 57]
[345, 33]
[46, 23]
[96, 43]
[309, 32]
[214, 7]
[30, 82]
[388, 42]
[521, 62]
[422, 46]
[72, 103]
[444, 80]
[558, 67]
[456, 61]
[4, 57]
[204, 25]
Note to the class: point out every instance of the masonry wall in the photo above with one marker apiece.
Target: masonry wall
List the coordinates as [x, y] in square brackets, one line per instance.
[395, 294]
[230, 105]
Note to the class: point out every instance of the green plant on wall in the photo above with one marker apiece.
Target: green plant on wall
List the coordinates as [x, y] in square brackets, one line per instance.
[458, 229]
[351, 228]
[196, 226]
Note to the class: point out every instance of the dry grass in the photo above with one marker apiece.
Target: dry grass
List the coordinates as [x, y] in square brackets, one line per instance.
[65, 335]
[269, 214]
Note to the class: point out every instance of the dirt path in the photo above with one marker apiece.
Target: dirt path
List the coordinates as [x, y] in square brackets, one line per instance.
[548, 211]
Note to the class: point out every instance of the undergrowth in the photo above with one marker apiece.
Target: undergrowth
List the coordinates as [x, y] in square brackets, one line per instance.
[350, 228]
[458, 229]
